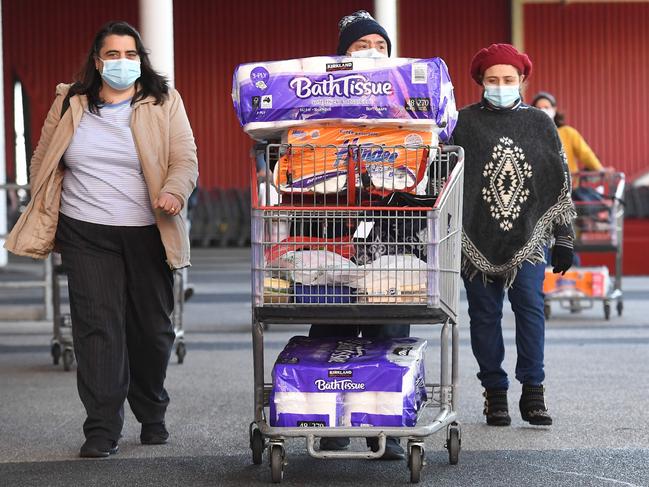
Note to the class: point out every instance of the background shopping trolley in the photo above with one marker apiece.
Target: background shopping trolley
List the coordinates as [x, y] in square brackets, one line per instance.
[62, 346]
[416, 281]
[598, 228]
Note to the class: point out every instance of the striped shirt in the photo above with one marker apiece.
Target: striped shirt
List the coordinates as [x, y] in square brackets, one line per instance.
[103, 181]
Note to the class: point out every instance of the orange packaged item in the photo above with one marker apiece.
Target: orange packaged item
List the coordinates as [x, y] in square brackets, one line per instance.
[381, 159]
[591, 282]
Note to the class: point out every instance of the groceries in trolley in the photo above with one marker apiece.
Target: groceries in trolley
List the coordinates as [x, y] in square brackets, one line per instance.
[380, 159]
[373, 256]
[277, 291]
[598, 201]
[595, 222]
[348, 382]
[270, 97]
[588, 282]
[322, 276]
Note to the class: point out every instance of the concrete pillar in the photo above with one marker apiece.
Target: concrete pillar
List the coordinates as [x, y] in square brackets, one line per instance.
[517, 24]
[385, 13]
[3, 158]
[157, 29]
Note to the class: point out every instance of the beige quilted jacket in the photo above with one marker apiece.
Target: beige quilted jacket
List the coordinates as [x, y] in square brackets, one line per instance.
[167, 152]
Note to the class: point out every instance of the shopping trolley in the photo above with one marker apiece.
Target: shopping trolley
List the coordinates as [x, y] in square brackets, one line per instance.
[61, 343]
[598, 228]
[62, 346]
[177, 315]
[416, 280]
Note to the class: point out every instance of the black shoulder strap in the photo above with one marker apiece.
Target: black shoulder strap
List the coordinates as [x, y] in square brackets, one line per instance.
[66, 100]
[66, 104]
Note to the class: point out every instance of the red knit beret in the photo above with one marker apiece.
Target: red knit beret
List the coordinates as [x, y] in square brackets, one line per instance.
[499, 54]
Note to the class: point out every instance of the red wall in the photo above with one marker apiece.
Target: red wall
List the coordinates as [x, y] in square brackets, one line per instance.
[595, 59]
[46, 40]
[453, 30]
[45, 43]
[634, 257]
[212, 38]
[592, 56]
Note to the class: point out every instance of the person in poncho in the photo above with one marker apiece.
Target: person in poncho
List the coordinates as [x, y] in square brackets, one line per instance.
[516, 203]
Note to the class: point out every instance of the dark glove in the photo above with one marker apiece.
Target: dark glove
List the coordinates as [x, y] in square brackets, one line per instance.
[562, 258]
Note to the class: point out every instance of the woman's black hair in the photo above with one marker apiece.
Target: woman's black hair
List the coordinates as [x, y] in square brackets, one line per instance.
[89, 80]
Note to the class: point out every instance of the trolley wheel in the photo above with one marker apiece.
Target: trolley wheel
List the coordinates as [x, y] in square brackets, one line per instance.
[620, 307]
[257, 446]
[415, 463]
[276, 463]
[181, 351]
[68, 359]
[453, 445]
[56, 353]
[547, 311]
[607, 310]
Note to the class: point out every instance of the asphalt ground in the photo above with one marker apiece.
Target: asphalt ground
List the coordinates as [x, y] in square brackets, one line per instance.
[597, 391]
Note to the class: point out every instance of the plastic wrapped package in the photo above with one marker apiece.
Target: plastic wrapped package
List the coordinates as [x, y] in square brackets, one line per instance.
[384, 159]
[348, 382]
[270, 97]
[579, 282]
[393, 279]
[314, 267]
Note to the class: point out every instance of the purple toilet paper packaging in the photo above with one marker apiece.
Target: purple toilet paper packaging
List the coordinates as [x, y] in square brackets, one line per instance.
[270, 97]
[348, 382]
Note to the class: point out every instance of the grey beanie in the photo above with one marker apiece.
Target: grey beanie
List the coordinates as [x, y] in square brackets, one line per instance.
[544, 94]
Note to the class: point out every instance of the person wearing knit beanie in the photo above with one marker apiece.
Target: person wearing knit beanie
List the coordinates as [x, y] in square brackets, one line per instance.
[360, 32]
[361, 28]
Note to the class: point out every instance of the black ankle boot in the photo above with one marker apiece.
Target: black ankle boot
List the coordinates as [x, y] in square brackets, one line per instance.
[154, 434]
[495, 407]
[532, 405]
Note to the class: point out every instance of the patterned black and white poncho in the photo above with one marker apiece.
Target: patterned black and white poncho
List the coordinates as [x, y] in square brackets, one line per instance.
[516, 189]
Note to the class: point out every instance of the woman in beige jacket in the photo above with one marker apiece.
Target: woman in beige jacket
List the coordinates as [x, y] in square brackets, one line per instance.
[113, 168]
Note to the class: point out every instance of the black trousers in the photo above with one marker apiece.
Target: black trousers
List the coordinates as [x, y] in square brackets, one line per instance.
[121, 299]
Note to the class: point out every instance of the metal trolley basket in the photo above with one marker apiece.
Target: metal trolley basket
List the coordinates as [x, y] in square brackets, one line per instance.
[396, 292]
[598, 199]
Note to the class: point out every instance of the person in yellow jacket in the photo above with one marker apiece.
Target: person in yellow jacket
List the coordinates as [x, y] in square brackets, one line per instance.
[579, 154]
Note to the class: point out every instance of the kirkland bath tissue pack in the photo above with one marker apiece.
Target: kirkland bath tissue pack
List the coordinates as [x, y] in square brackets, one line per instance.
[270, 97]
[348, 382]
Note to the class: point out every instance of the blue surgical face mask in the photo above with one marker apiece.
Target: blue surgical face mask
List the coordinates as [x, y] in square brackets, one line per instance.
[502, 96]
[120, 74]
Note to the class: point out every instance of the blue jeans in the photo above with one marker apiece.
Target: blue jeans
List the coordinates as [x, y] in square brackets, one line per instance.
[485, 313]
